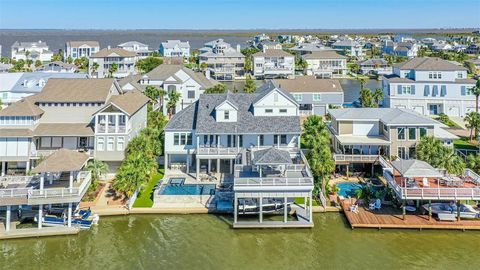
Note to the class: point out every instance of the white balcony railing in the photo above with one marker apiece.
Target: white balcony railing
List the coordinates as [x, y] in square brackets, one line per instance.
[439, 192]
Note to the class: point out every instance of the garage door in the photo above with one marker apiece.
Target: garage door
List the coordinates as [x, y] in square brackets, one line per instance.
[453, 111]
[418, 109]
[365, 128]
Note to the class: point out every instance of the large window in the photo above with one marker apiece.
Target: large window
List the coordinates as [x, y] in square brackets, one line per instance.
[184, 139]
[401, 133]
[412, 134]
[110, 143]
[120, 143]
[423, 132]
[298, 97]
[101, 143]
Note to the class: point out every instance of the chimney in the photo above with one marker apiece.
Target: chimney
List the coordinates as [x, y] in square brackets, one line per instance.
[238, 48]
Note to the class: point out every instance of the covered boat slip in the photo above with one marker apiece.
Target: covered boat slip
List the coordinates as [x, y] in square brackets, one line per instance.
[268, 184]
[58, 180]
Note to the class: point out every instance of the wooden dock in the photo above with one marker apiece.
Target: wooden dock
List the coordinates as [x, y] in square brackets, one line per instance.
[34, 232]
[390, 218]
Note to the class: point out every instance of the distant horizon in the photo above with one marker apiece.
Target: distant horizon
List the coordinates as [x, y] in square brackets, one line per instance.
[232, 15]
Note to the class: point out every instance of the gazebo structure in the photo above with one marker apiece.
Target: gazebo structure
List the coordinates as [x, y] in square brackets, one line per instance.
[417, 180]
[53, 169]
[269, 182]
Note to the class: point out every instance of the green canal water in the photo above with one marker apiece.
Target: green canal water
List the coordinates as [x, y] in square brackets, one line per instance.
[207, 242]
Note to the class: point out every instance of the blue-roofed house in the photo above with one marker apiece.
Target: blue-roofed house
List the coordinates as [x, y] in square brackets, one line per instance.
[15, 86]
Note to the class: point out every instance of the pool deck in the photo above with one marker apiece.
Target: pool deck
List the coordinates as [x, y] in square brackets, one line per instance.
[390, 218]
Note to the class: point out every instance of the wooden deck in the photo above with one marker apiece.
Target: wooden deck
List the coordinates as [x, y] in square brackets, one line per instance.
[391, 218]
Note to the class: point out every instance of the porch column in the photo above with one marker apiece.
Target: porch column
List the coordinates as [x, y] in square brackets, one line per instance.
[285, 209]
[8, 221]
[70, 184]
[42, 180]
[310, 214]
[40, 216]
[69, 217]
[218, 165]
[260, 209]
[197, 173]
[235, 208]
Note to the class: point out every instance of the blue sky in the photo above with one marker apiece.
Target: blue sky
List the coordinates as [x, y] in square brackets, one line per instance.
[244, 14]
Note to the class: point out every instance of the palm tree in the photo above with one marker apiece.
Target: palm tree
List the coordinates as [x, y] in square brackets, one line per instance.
[95, 67]
[113, 68]
[362, 81]
[173, 98]
[472, 122]
[378, 96]
[98, 169]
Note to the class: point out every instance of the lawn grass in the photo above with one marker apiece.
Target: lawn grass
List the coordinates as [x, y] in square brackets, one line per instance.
[464, 143]
[301, 201]
[145, 197]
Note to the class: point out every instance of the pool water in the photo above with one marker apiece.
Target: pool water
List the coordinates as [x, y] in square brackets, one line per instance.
[188, 189]
[348, 189]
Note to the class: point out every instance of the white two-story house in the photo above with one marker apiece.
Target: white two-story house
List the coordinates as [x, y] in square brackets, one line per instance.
[273, 63]
[175, 48]
[102, 63]
[326, 64]
[79, 49]
[87, 115]
[188, 83]
[31, 51]
[429, 86]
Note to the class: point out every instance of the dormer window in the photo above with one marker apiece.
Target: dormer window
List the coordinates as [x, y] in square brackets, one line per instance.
[226, 115]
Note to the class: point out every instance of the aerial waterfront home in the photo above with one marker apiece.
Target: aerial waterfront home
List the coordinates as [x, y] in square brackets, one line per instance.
[175, 48]
[32, 51]
[350, 47]
[58, 66]
[79, 49]
[188, 83]
[273, 63]
[405, 49]
[224, 63]
[86, 115]
[105, 58]
[254, 137]
[361, 135]
[429, 86]
[375, 66]
[139, 48]
[314, 96]
[326, 64]
[15, 86]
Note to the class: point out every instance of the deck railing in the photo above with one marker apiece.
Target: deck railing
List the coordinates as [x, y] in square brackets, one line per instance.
[355, 158]
[439, 192]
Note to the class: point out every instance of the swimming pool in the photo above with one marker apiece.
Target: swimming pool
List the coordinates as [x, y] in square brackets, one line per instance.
[188, 189]
[347, 189]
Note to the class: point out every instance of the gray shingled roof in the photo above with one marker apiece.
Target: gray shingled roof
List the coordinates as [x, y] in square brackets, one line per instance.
[271, 156]
[390, 116]
[201, 117]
